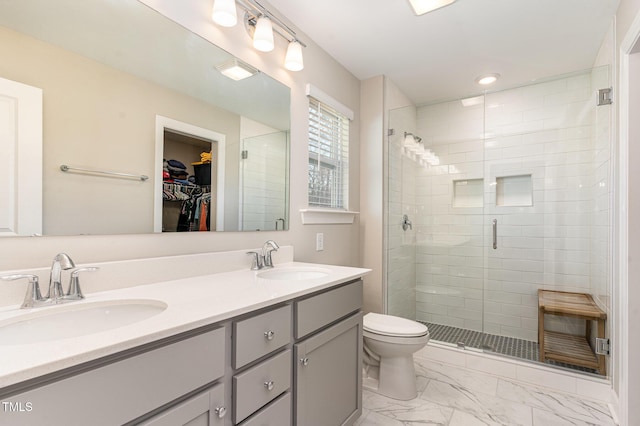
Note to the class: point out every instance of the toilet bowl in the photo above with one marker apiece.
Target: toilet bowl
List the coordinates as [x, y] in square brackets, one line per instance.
[389, 345]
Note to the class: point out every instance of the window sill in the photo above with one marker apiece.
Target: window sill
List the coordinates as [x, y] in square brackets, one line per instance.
[327, 217]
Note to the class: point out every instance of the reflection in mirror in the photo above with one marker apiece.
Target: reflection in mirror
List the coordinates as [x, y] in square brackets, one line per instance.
[264, 182]
[106, 78]
[189, 178]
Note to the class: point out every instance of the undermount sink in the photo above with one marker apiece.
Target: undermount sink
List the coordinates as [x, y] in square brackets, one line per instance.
[75, 320]
[293, 274]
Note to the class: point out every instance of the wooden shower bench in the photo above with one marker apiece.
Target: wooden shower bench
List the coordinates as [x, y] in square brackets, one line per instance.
[565, 347]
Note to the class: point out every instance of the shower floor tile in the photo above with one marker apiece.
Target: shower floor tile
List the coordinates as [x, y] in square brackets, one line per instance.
[508, 346]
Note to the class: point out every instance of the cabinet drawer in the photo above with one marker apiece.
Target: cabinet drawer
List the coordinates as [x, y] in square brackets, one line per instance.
[117, 393]
[325, 308]
[257, 386]
[278, 413]
[206, 409]
[259, 335]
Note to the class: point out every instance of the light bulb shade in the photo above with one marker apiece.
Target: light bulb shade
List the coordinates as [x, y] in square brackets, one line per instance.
[293, 61]
[263, 35]
[224, 13]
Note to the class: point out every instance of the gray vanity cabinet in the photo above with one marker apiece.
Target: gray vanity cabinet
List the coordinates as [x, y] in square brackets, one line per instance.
[296, 363]
[328, 367]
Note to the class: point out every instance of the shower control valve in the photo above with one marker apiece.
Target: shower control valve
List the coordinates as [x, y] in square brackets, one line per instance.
[406, 223]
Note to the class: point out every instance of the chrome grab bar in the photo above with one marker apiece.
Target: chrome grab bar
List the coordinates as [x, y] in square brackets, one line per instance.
[495, 234]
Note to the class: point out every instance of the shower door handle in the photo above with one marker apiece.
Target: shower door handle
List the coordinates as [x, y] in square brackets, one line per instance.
[495, 234]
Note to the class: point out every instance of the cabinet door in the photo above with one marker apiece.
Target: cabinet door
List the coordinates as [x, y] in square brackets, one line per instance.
[328, 373]
[205, 409]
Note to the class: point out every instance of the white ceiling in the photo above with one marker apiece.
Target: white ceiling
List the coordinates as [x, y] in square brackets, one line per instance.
[438, 55]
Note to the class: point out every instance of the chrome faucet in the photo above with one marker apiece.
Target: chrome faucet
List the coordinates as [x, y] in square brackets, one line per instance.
[263, 259]
[61, 262]
[267, 248]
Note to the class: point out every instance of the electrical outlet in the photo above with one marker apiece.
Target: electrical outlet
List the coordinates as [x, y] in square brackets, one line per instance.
[319, 241]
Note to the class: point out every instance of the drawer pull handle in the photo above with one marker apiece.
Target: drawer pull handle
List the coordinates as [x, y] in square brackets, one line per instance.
[269, 334]
[221, 412]
[269, 385]
[304, 361]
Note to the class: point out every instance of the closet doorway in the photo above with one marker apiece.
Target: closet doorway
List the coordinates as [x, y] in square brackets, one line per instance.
[189, 189]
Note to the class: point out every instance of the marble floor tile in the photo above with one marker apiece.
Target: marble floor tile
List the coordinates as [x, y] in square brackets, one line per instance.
[460, 418]
[487, 408]
[471, 380]
[564, 405]
[547, 418]
[412, 412]
[452, 396]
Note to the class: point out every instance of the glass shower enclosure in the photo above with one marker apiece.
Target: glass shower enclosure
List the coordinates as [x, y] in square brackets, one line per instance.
[493, 197]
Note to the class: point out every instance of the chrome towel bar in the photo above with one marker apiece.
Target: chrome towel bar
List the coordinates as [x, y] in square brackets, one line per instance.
[66, 168]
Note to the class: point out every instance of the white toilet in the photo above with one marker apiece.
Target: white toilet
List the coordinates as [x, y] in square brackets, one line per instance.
[389, 345]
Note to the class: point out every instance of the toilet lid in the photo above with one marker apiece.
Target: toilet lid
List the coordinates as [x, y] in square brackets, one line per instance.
[389, 325]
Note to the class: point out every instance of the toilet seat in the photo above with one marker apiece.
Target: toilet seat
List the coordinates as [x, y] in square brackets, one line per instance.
[392, 326]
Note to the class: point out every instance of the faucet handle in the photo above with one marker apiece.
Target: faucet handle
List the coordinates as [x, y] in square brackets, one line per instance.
[74, 292]
[33, 289]
[256, 263]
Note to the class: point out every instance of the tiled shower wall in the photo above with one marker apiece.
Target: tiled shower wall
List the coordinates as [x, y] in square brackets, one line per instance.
[552, 215]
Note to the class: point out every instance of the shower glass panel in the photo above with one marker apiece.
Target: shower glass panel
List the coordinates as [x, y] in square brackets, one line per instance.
[263, 183]
[507, 193]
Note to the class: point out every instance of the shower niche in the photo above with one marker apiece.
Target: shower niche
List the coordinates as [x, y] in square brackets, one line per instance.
[468, 193]
[514, 191]
[508, 195]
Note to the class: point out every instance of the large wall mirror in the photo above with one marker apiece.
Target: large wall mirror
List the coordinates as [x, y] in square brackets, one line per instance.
[125, 88]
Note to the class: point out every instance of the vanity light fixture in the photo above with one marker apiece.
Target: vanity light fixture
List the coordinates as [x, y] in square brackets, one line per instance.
[225, 13]
[487, 79]
[420, 7]
[261, 25]
[236, 69]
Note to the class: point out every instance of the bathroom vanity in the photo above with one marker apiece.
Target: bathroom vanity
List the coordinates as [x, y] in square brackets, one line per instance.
[232, 348]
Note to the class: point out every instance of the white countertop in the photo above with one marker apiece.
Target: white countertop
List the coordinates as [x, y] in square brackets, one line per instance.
[191, 303]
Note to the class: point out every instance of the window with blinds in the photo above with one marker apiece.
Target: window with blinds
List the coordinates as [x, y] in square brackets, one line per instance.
[328, 156]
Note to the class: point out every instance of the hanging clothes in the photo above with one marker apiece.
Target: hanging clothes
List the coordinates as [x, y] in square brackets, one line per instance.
[203, 216]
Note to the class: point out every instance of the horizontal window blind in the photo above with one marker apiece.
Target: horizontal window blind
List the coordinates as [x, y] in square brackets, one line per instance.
[328, 156]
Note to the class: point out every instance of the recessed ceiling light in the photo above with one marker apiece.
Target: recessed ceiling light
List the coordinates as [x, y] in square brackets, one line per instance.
[487, 79]
[236, 69]
[420, 7]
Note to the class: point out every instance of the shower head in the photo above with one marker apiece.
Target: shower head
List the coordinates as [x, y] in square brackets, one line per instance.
[416, 139]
